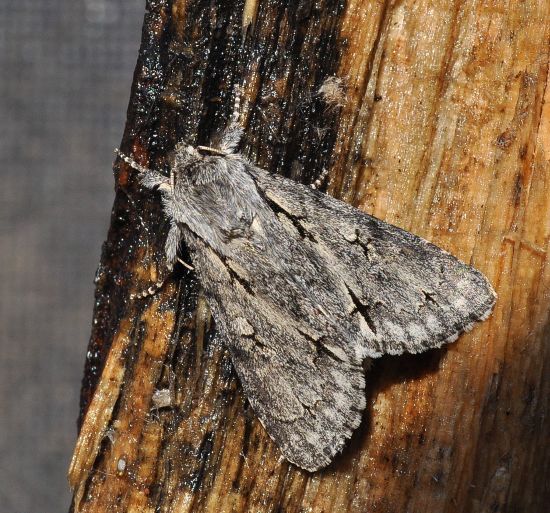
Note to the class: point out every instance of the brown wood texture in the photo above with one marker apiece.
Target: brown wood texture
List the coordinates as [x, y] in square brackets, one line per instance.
[444, 130]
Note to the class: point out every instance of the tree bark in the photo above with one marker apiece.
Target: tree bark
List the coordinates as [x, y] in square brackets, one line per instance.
[443, 129]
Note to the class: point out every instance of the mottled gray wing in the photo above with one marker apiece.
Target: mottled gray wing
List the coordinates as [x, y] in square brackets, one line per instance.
[307, 391]
[303, 287]
[412, 295]
[286, 319]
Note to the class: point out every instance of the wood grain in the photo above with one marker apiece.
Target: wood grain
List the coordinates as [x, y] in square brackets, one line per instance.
[444, 131]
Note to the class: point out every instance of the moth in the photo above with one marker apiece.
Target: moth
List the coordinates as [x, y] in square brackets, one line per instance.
[304, 288]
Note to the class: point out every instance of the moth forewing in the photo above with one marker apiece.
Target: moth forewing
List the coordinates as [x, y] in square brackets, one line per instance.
[412, 294]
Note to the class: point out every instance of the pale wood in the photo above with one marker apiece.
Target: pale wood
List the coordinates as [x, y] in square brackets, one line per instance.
[445, 131]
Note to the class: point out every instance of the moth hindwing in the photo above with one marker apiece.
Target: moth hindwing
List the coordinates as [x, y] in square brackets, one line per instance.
[304, 288]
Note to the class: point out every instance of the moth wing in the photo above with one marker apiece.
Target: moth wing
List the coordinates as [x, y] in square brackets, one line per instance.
[411, 294]
[306, 288]
[308, 398]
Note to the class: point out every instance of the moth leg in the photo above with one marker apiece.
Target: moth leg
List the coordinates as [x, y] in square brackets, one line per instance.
[171, 250]
[151, 291]
[172, 244]
[320, 179]
[186, 265]
[153, 179]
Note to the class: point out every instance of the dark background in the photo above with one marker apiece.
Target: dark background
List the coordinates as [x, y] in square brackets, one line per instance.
[66, 69]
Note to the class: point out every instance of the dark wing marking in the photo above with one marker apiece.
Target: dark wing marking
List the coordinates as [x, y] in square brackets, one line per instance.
[411, 294]
[303, 287]
[307, 392]
[283, 315]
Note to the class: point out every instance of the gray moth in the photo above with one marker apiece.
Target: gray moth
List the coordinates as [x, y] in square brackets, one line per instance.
[304, 288]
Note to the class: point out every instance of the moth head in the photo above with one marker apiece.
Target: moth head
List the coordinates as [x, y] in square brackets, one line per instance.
[193, 166]
[183, 157]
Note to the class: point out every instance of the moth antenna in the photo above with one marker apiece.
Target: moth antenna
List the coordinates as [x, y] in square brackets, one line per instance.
[228, 140]
[131, 162]
[320, 179]
[236, 106]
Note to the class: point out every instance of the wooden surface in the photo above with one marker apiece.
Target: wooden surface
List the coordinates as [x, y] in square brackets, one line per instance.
[443, 130]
